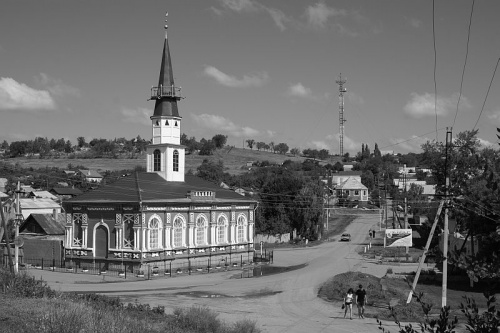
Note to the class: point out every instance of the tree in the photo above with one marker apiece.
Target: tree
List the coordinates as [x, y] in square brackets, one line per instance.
[81, 142]
[211, 171]
[5, 145]
[219, 140]
[250, 143]
[376, 151]
[207, 147]
[282, 148]
[295, 151]
[271, 146]
[261, 145]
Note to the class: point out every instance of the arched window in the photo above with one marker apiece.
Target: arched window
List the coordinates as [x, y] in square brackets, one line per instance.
[178, 227]
[154, 227]
[241, 228]
[176, 160]
[157, 160]
[201, 230]
[221, 229]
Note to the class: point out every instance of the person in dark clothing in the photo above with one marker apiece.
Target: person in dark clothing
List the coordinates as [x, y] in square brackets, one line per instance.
[361, 301]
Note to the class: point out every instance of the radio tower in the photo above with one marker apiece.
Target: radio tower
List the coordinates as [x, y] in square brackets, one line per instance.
[342, 90]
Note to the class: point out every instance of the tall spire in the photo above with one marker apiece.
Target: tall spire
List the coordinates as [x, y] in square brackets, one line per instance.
[166, 94]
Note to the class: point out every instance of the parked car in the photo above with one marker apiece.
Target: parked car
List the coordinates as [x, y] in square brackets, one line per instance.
[345, 237]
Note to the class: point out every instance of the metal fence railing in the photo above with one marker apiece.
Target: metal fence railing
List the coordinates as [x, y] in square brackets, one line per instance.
[169, 268]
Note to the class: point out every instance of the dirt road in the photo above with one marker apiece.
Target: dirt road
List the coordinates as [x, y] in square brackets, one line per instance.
[285, 302]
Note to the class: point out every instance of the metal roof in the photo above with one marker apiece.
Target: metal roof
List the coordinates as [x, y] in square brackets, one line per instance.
[47, 223]
[150, 187]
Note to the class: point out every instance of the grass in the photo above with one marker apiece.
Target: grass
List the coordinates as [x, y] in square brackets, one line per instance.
[29, 305]
[234, 159]
[382, 292]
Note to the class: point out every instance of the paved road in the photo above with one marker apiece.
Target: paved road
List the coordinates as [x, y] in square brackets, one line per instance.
[285, 302]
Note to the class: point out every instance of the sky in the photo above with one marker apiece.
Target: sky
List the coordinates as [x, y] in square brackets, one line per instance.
[253, 69]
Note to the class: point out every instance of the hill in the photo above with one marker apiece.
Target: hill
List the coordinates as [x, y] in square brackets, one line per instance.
[234, 159]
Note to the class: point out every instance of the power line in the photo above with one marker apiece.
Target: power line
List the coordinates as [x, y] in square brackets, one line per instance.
[413, 138]
[465, 62]
[435, 63]
[486, 97]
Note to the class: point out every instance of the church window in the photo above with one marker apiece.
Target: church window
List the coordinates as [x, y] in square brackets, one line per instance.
[128, 231]
[157, 160]
[77, 229]
[166, 122]
[221, 229]
[201, 230]
[157, 123]
[178, 233]
[241, 228]
[176, 124]
[176, 160]
[356, 192]
[154, 227]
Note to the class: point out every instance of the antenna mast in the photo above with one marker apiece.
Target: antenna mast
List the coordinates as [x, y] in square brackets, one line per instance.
[342, 90]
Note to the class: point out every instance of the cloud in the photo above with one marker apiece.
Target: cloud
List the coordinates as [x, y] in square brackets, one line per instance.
[486, 143]
[219, 123]
[331, 143]
[56, 87]
[18, 96]
[139, 115]
[495, 115]
[411, 144]
[271, 133]
[413, 22]
[256, 80]
[421, 106]
[354, 98]
[319, 14]
[239, 5]
[299, 90]
[320, 145]
[278, 17]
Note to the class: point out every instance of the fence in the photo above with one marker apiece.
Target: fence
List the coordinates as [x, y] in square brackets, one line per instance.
[169, 268]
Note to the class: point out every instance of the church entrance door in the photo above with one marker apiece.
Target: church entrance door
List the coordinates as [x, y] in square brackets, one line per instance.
[101, 242]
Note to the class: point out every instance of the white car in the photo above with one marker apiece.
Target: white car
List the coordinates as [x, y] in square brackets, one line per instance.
[345, 237]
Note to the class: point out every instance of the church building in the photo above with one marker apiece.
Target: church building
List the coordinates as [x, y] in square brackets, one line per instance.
[160, 216]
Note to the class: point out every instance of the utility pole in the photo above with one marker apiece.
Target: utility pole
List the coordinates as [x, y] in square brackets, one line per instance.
[342, 90]
[17, 222]
[7, 237]
[405, 174]
[446, 231]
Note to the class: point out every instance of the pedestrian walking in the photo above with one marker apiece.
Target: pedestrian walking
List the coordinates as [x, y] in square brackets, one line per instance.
[370, 233]
[348, 299]
[361, 300]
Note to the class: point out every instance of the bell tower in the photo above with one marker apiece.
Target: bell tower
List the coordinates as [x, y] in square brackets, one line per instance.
[165, 156]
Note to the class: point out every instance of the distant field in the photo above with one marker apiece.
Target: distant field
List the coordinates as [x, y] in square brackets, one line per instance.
[234, 159]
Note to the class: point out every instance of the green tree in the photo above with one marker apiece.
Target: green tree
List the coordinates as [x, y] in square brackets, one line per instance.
[250, 143]
[219, 140]
[211, 171]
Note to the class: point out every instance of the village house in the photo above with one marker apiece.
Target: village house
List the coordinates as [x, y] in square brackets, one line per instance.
[150, 219]
[91, 176]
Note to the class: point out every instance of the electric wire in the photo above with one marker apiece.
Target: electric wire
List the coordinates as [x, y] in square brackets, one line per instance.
[465, 62]
[487, 93]
[435, 63]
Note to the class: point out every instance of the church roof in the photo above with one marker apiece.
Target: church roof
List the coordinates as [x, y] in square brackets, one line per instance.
[150, 187]
[166, 106]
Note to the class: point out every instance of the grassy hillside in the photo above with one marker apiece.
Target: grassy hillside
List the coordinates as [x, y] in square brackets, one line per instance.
[234, 159]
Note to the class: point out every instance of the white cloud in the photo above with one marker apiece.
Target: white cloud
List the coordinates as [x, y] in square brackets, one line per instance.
[271, 134]
[278, 17]
[495, 115]
[221, 124]
[413, 144]
[56, 87]
[354, 98]
[239, 5]
[139, 115]
[320, 145]
[18, 96]
[319, 14]
[421, 106]
[299, 90]
[256, 80]
[486, 143]
[413, 22]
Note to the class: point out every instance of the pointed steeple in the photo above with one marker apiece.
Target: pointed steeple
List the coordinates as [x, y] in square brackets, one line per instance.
[166, 94]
